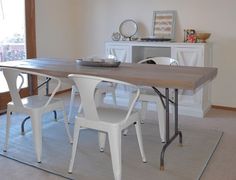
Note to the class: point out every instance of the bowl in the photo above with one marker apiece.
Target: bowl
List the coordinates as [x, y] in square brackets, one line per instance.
[202, 37]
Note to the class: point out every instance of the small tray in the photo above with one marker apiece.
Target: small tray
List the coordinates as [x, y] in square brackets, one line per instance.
[156, 39]
[98, 64]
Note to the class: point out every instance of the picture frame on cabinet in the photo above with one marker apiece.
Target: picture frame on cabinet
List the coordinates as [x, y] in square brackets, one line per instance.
[164, 24]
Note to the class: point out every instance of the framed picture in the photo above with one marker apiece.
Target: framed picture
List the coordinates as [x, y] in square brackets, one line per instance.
[164, 24]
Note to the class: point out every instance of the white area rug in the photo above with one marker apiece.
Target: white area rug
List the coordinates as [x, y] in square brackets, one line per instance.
[181, 163]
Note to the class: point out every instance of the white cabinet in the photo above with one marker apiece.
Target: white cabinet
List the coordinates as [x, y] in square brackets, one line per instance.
[191, 103]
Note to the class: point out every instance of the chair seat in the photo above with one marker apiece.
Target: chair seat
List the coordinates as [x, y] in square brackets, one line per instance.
[110, 116]
[36, 101]
[147, 91]
[105, 85]
[148, 94]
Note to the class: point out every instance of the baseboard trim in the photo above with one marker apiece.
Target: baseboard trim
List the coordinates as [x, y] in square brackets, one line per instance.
[224, 108]
[63, 91]
[3, 111]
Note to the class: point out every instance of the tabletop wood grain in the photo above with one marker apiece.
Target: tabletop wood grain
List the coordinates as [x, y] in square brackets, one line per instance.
[180, 77]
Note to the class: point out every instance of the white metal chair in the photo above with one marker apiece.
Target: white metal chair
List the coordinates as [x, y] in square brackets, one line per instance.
[34, 106]
[147, 94]
[104, 88]
[111, 120]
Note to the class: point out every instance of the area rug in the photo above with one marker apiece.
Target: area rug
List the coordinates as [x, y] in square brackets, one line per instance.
[181, 163]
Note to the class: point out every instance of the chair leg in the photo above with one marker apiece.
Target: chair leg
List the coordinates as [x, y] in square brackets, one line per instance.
[161, 119]
[72, 98]
[114, 97]
[7, 129]
[80, 108]
[37, 134]
[144, 105]
[140, 140]
[101, 141]
[74, 147]
[67, 126]
[125, 131]
[115, 148]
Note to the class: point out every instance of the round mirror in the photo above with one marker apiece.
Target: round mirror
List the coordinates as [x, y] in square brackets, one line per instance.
[128, 28]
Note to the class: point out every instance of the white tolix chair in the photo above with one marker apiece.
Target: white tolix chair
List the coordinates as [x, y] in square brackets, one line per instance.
[147, 94]
[34, 106]
[108, 120]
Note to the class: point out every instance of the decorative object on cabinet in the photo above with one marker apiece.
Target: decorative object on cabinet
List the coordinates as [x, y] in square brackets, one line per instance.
[202, 37]
[190, 36]
[164, 24]
[115, 36]
[128, 28]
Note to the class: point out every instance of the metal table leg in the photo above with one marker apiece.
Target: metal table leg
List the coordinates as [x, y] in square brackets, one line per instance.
[23, 125]
[47, 94]
[176, 132]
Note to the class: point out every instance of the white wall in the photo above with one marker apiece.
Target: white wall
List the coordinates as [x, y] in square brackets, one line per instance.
[56, 32]
[56, 28]
[87, 24]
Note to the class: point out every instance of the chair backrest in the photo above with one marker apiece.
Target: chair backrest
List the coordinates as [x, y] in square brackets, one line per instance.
[160, 60]
[11, 78]
[87, 86]
[21, 81]
[11, 75]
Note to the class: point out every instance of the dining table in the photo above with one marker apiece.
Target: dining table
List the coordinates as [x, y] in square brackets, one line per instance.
[155, 76]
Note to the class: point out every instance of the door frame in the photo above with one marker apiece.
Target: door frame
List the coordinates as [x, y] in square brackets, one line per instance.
[30, 33]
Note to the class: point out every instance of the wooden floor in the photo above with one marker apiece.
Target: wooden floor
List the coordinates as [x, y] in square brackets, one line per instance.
[221, 166]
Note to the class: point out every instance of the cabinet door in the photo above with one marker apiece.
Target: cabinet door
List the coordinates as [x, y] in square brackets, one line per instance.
[121, 52]
[189, 56]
